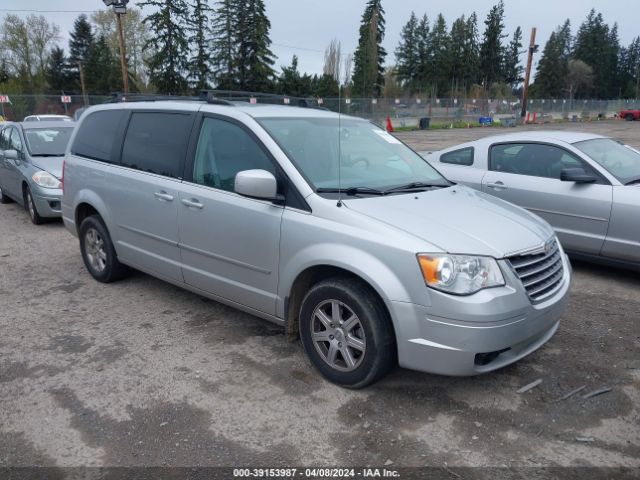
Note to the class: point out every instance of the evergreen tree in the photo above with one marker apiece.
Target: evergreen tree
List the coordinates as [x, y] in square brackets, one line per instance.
[199, 66]
[630, 69]
[326, 86]
[439, 57]
[457, 67]
[423, 42]
[492, 50]
[81, 40]
[553, 68]
[407, 54]
[58, 74]
[102, 70]
[290, 81]
[368, 75]
[471, 52]
[512, 68]
[169, 43]
[224, 53]
[598, 47]
[254, 57]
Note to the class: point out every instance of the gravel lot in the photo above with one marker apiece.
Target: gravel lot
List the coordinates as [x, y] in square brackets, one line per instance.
[142, 373]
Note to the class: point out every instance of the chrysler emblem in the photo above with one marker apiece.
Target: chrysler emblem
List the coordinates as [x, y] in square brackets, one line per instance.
[549, 246]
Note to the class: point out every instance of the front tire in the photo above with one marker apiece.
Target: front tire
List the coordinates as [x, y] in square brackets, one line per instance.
[98, 253]
[30, 205]
[629, 117]
[346, 332]
[4, 198]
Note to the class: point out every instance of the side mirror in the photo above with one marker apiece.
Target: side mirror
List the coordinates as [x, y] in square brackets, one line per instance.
[257, 184]
[577, 175]
[10, 154]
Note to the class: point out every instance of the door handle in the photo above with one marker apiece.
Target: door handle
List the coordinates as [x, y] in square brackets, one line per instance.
[498, 185]
[193, 203]
[163, 196]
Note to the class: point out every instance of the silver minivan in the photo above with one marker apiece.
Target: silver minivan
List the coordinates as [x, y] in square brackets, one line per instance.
[326, 225]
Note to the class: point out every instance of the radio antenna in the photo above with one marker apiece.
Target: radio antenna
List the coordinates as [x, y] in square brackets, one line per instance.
[339, 146]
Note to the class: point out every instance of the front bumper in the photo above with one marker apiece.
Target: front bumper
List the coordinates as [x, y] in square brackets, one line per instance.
[48, 201]
[462, 336]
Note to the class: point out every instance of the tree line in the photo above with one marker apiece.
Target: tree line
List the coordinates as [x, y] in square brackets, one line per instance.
[183, 46]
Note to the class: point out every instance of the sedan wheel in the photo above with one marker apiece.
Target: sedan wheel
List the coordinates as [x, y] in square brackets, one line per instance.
[36, 219]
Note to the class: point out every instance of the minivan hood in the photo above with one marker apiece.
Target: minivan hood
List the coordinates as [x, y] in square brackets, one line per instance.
[459, 220]
[53, 165]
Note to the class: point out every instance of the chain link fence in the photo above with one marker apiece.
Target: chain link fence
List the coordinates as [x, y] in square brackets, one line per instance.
[404, 111]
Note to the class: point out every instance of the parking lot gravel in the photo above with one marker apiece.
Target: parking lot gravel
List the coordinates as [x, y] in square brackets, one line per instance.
[142, 373]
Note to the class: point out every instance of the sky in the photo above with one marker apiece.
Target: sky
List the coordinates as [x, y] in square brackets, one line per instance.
[305, 27]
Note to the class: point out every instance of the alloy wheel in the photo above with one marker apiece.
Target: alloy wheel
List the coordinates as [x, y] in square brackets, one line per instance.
[338, 335]
[94, 250]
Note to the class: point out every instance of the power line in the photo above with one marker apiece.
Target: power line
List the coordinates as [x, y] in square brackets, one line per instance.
[48, 11]
[298, 48]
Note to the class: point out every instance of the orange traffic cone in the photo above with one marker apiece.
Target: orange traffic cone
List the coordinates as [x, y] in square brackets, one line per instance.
[389, 124]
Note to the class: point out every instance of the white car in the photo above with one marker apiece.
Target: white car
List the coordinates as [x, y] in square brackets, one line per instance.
[48, 118]
[586, 186]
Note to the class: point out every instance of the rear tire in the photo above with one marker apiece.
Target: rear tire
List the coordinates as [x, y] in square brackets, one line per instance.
[347, 333]
[32, 210]
[629, 117]
[98, 253]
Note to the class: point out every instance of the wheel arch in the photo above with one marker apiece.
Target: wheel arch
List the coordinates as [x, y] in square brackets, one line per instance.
[313, 274]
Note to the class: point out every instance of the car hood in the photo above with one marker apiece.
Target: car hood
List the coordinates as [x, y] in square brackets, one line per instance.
[53, 165]
[459, 220]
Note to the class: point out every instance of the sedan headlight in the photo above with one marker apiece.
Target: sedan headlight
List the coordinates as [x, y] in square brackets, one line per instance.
[460, 274]
[46, 180]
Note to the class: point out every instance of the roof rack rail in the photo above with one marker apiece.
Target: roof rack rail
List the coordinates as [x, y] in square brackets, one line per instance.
[210, 97]
[205, 96]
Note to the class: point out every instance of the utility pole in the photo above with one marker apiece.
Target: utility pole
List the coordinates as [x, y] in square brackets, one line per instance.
[533, 48]
[123, 58]
[120, 8]
[82, 84]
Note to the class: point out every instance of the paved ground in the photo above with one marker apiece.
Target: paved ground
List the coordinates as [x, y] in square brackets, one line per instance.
[628, 132]
[142, 373]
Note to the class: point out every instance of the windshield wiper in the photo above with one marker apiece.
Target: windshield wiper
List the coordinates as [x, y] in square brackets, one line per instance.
[414, 186]
[352, 191]
[633, 181]
[47, 154]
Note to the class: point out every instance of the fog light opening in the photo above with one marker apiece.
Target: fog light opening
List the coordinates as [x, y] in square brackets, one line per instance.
[486, 358]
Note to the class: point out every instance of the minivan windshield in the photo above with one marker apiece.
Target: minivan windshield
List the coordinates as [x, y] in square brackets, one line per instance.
[370, 157]
[48, 142]
[621, 161]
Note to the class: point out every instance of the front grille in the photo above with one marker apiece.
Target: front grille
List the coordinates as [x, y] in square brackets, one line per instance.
[541, 273]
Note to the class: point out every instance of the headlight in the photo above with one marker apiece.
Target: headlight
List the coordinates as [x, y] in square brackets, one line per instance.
[46, 180]
[460, 274]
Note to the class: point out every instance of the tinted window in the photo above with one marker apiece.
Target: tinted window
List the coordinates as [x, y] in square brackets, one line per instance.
[533, 159]
[224, 149]
[157, 142]
[458, 157]
[97, 134]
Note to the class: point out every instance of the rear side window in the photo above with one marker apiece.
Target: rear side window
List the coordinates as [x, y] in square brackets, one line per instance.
[97, 134]
[156, 142]
[463, 156]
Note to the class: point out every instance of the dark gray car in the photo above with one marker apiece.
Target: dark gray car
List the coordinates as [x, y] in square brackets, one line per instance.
[31, 158]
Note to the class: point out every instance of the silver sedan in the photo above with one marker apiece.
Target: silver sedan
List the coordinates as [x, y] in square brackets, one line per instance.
[586, 186]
